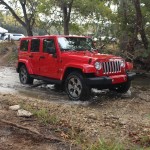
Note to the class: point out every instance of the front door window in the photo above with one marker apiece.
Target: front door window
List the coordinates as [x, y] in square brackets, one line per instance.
[49, 46]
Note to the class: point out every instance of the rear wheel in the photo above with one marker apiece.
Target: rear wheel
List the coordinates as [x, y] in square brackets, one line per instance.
[121, 88]
[76, 88]
[24, 76]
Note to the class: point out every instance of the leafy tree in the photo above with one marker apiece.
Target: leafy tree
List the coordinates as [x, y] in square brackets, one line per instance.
[51, 17]
[73, 13]
[140, 23]
[28, 13]
[96, 16]
[58, 11]
[131, 20]
[66, 6]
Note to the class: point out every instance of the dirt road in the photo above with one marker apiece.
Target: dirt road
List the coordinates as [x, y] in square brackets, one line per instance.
[114, 118]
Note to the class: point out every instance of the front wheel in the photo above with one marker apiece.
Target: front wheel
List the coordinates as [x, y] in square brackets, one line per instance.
[24, 76]
[121, 88]
[76, 88]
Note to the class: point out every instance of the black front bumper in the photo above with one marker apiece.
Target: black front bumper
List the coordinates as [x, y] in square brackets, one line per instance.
[98, 81]
[131, 75]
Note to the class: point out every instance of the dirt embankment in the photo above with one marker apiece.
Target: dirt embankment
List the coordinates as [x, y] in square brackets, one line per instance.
[108, 121]
[8, 53]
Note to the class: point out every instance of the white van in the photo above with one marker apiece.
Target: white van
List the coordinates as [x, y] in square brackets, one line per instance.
[13, 36]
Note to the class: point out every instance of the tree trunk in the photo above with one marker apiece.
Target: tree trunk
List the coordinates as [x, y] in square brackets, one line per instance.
[66, 8]
[28, 21]
[66, 27]
[122, 12]
[29, 30]
[139, 23]
[66, 21]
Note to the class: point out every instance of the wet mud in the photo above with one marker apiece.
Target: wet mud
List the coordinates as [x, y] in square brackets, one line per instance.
[9, 83]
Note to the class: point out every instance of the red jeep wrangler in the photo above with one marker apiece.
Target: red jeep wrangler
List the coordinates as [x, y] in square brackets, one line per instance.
[71, 62]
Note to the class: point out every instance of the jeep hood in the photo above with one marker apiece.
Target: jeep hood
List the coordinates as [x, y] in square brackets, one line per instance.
[86, 55]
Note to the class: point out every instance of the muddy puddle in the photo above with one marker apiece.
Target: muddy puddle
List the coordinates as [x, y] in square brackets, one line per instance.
[9, 83]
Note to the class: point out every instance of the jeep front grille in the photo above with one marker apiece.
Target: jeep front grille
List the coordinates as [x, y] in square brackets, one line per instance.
[111, 67]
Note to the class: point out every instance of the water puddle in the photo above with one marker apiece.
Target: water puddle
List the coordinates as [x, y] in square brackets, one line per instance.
[9, 83]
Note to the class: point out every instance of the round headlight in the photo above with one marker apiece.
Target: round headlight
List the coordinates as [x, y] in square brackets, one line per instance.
[122, 63]
[98, 65]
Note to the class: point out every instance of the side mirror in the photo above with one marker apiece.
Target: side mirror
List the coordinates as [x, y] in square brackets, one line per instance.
[51, 50]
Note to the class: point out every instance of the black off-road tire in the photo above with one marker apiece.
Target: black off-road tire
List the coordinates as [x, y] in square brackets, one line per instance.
[121, 88]
[76, 88]
[24, 75]
[58, 87]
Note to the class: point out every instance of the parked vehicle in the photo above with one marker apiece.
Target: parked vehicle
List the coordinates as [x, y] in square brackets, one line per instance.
[73, 63]
[13, 36]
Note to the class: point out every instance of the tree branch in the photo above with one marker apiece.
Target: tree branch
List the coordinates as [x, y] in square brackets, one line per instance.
[30, 130]
[23, 5]
[13, 13]
[70, 8]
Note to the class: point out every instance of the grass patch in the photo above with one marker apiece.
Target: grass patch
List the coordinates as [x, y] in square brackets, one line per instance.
[44, 116]
[145, 141]
[103, 145]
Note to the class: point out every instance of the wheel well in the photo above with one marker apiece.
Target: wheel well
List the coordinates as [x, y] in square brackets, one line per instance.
[19, 66]
[69, 70]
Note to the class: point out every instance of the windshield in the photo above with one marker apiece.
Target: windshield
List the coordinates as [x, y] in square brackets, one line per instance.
[75, 43]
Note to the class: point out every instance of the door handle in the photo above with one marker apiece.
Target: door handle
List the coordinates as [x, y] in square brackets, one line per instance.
[42, 57]
[31, 56]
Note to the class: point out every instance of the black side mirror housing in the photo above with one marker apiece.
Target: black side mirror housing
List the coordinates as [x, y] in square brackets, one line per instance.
[51, 50]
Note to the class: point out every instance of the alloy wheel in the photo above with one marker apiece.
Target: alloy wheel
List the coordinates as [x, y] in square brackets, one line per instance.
[75, 87]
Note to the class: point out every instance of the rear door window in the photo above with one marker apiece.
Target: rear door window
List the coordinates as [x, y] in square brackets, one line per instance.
[24, 45]
[35, 45]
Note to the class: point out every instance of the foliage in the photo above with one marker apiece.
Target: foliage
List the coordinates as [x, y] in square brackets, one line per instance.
[102, 145]
[82, 12]
[44, 116]
[129, 22]
[24, 11]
